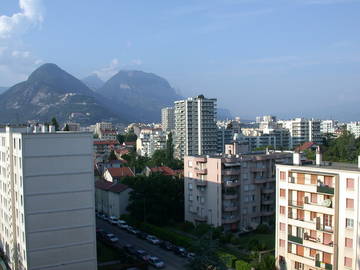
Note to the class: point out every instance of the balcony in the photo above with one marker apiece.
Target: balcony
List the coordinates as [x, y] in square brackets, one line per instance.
[230, 220]
[201, 159]
[325, 189]
[297, 204]
[268, 190]
[231, 172]
[258, 169]
[232, 183]
[324, 228]
[327, 266]
[201, 171]
[200, 218]
[267, 212]
[295, 239]
[230, 208]
[261, 180]
[268, 201]
[230, 196]
[200, 183]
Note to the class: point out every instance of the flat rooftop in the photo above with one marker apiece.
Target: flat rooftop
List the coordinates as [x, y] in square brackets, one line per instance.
[329, 165]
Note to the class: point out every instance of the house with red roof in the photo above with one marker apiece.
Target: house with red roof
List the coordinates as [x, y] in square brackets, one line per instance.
[306, 146]
[116, 174]
[111, 198]
[163, 170]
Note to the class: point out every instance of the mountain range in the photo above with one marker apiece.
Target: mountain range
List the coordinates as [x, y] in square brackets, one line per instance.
[128, 96]
[3, 89]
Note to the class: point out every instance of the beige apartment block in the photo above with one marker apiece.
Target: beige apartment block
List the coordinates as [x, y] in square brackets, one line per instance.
[317, 215]
[236, 191]
[47, 218]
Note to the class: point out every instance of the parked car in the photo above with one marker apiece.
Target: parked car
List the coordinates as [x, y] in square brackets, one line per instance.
[156, 262]
[119, 222]
[129, 228]
[142, 235]
[153, 239]
[112, 238]
[190, 255]
[113, 220]
[166, 245]
[134, 231]
[180, 251]
[123, 226]
[130, 249]
[142, 254]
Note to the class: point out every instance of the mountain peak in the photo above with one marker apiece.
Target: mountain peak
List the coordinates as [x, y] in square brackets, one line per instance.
[93, 81]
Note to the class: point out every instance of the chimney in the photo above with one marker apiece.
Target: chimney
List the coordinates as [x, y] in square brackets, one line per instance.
[296, 158]
[318, 156]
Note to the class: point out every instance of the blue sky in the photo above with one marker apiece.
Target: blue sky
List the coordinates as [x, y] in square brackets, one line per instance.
[283, 57]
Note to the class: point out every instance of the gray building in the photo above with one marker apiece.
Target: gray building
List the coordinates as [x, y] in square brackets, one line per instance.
[167, 119]
[195, 126]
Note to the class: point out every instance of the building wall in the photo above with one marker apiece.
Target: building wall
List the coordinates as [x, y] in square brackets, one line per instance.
[53, 200]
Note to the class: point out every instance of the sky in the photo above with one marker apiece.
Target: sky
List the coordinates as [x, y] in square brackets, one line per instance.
[290, 58]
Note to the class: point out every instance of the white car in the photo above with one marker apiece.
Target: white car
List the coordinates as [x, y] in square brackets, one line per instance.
[112, 237]
[156, 262]
[113, 220]
[153, 239]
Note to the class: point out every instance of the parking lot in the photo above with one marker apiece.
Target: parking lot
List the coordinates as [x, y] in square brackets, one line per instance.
[171, 260]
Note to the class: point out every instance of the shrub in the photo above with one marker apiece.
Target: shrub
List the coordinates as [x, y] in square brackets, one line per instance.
[263, 228]
[227, 258]
[242, 265]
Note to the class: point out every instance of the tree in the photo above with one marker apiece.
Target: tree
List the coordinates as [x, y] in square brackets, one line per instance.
[112, 155]
[206, 255]
[169, 147]
[157, 199]
[55, 123]
[66, 128]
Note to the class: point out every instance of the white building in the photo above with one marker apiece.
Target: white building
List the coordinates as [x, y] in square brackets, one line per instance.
[47, 199]
[354, 128]
[167, 119]
[317, 220]
[328, 126]
[195, 126]
[150, 140]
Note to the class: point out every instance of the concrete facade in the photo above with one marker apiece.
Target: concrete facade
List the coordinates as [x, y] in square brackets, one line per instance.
[47, 200]
[233, 191]
[167, 119]
[317, 221]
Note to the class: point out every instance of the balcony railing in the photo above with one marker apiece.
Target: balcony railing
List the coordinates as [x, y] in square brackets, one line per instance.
[231, 172]
[327, 266]
[201, 183]
[201, 159]
[324, 228]
[230, 196]
[325, 189]
[230, 220]
[230, 208]
[232, 183]
[200, 218]
[299, 204]
[295, 239]
[201, 171]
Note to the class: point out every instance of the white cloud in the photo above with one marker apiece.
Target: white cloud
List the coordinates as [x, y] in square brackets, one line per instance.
[110, 70]
[31, 14]
[16, 62]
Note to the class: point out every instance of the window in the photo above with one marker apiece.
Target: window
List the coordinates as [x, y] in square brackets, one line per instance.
[282, 243]
[282, 193]
[328, 220]
[327, 238]
[282, 175]
[190, 186]
[328, 181]
[348, 242]
[190, 174]
[190, 163]
[282, 210]
[299, 266]
[350, 183]
[312, 252]
[299, 250]
[301, 178]
[349, 203]
[326, 257]
[349, 223]
[282, 226]
[347, 262]
[313, 198]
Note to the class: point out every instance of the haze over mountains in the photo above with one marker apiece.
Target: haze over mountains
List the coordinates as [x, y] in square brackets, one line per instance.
[129, 96]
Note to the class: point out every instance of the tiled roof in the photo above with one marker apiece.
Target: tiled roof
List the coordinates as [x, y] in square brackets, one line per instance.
[120, 172]
[164, 170]
[305, 146]
[129, 143]
[123, 151]
[110, 186]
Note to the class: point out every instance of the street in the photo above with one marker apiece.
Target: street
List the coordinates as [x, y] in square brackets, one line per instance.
[172, 261]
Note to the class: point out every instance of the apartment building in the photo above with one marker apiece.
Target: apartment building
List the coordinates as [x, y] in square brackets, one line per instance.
[195, 126]
[236, 191]
[302, 130]
[47, 199]
[150, 140]
[328, 126]
[317, 219]
[167, 119]
[354, 128]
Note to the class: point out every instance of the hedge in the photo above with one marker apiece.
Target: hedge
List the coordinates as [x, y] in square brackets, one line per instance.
[242, 265]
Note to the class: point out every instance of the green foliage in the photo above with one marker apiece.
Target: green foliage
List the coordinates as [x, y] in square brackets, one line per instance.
[157, 199]
[207, 256]
[66, 128]
[342, 149]
[267, 262]
[242, 265]
[136, 162]
[55, 123]
[127, 137]
[169, 147]
[227, 258]
[263, 228]
[112, 156]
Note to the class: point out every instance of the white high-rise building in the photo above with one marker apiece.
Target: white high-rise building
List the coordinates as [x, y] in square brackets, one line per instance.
[47, 218]
[195, 126]
[328, 126]
[167, 119]
[150, 140]
[354, 128]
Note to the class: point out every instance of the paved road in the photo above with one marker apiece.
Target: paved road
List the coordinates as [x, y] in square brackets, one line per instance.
[172, 261]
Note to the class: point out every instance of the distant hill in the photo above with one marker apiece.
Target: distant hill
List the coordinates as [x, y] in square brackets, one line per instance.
[3, 89]
[50, 91]
[93, 82]
[143, 94]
